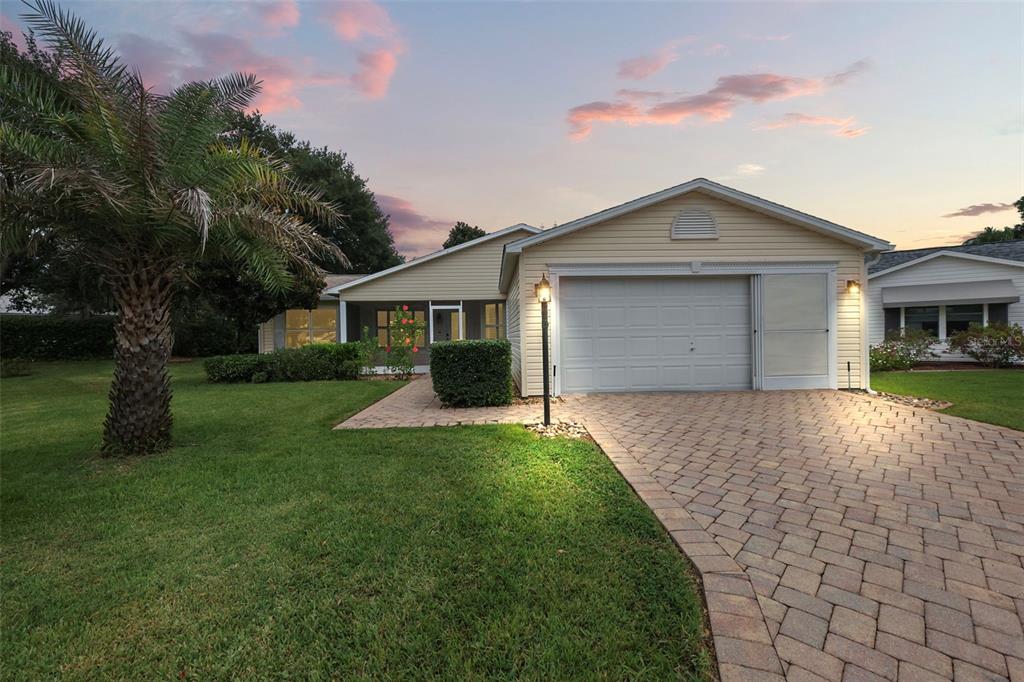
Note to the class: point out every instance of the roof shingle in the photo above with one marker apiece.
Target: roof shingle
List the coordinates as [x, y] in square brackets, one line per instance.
[1011, 250]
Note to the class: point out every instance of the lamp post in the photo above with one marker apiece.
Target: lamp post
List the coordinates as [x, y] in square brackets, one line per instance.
[543, 291]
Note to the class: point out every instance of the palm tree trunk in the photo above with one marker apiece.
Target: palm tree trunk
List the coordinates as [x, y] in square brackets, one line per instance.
[139, 420]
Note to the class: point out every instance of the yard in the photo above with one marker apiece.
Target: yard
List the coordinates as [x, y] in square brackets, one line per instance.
[993, 396]
[267, 545]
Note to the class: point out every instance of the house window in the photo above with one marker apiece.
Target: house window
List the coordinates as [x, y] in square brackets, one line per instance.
[960, 317]
[384, 318]
[924, 317]
[319, 325]
[494, 320]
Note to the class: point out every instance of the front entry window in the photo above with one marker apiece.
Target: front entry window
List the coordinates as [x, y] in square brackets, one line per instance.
[319, 325]
[384, 318]
[494, 320]
[924, 317]
[960, 317]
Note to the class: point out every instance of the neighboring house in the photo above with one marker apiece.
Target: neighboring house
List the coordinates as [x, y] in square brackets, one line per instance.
[697, 287]
[945, 289]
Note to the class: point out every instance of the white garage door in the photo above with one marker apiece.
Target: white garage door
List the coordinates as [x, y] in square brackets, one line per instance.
[654, 334]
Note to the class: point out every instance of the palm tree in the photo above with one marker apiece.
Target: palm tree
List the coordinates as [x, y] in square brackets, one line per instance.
[141, 186]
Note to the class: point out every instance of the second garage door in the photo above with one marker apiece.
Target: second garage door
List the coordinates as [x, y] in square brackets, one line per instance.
[654, 334]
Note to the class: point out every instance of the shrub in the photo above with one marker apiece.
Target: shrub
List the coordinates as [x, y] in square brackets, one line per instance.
[315, 362]
[472, 373]
[902, 349]
[997, 345]
[233, 369]
[404, 329]
[54, 337]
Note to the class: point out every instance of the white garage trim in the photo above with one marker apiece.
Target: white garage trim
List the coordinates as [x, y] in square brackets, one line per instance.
[698, 268]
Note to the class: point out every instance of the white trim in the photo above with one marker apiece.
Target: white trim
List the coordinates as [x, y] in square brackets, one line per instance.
[691, 268]
[706, 269]
[950, 254]
[342, 322]
[431, 256]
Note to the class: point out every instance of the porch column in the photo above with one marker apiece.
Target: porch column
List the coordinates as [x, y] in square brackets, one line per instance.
[462, 325]
[430, 318]
[342, 321]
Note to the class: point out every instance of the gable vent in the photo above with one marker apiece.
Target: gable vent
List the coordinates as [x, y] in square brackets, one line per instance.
[694, 223]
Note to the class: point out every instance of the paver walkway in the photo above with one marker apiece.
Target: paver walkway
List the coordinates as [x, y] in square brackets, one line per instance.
[839, 537]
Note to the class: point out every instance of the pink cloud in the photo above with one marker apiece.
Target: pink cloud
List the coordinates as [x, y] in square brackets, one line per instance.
[279, 14]
[415, 233]
[978, 209]
[10, 26]
[842, 127]
[353, 19]
[375, 71]
[639, 68]
[714, 105]
[849, 73]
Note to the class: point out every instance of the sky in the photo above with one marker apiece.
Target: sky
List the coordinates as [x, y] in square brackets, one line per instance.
[902, 120]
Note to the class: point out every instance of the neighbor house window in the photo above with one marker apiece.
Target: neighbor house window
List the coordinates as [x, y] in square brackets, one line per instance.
[494, 320]
[319, 325]
[924, 317]
[384, 318]
[960, 317]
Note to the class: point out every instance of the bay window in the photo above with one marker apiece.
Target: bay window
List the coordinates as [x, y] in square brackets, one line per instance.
[319, 325]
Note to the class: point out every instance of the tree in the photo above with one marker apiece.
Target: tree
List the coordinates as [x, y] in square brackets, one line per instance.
[992, 235]
[460, 233]
[141, 187]
[365, 233]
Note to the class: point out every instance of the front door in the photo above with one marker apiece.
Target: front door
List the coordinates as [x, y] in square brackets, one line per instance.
[445, 325]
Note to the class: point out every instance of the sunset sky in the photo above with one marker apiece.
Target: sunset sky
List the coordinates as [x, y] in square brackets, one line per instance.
[905, 121]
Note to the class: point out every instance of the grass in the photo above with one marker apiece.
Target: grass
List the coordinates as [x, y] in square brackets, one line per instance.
[993, 396]
[266, 545]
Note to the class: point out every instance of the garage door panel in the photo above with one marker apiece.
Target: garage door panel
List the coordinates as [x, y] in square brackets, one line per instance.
[611, 348]
[681, 333]
[575, 317]
[611, 378]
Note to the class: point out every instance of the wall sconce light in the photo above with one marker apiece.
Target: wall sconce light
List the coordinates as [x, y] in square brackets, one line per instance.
[853, 286]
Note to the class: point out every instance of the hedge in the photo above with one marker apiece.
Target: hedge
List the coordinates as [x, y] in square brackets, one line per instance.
[472, 373]
[315, 362]
[54, 337]
[997, 345]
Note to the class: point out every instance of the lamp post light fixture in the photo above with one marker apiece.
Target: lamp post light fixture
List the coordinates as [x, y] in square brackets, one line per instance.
[542, 289]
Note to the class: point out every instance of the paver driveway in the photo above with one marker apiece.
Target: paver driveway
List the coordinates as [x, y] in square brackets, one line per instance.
[838, 536]
[880, 541]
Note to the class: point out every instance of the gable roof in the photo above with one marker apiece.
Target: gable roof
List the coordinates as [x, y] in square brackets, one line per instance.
[431, 256]
[735, 196]
[1012, 251]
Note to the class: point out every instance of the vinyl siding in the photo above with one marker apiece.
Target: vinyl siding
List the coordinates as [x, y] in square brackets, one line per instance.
[941, 270]
[512, 329]
[745, 236]
[469, 274]
[266, 337]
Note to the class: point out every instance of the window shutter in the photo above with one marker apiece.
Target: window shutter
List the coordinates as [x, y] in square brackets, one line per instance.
[892, 320]
[998, 312]
[694, 223]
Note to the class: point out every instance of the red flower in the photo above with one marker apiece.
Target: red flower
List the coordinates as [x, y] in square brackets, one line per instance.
[388, 349]
[406, 342]
[405, 307]
[415, 349]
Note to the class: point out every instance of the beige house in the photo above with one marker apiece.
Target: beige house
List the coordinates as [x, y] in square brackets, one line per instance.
[697, 287]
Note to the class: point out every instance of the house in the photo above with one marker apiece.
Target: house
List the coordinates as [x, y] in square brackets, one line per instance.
[696, 287]
[945, 289]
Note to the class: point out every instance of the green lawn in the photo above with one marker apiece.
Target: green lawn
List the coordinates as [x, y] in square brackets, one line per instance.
[993, 396]
[265, 545]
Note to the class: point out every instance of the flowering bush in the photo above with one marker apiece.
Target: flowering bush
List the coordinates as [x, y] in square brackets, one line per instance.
[997, 345]
[406, 332]
[902, 349]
